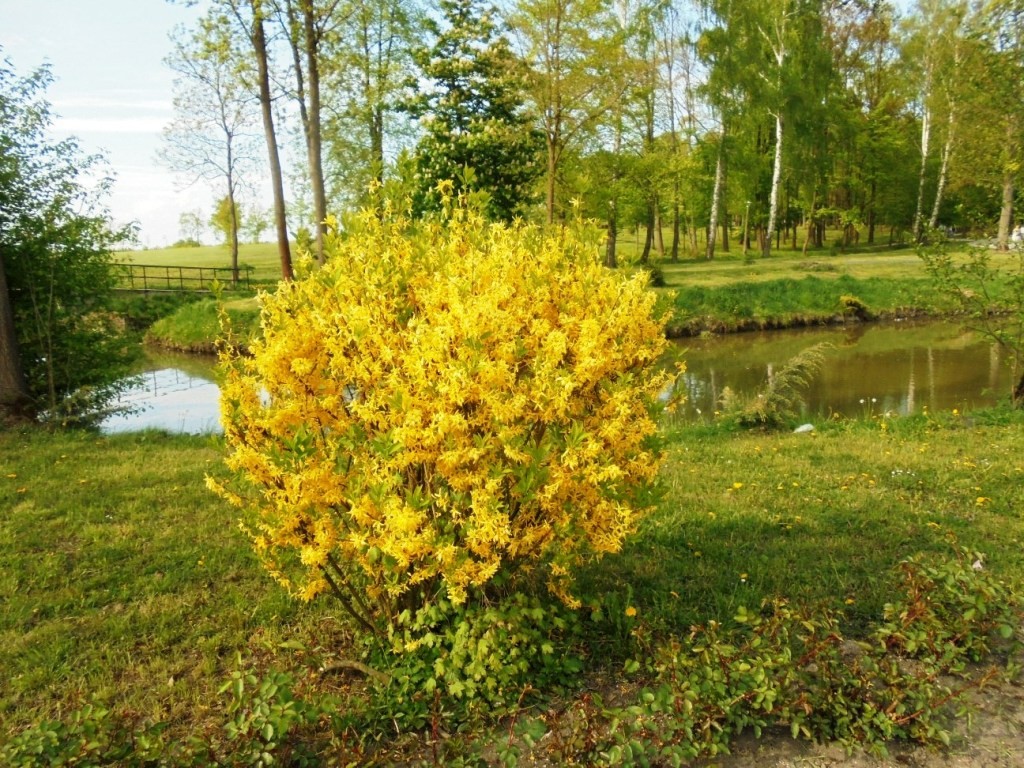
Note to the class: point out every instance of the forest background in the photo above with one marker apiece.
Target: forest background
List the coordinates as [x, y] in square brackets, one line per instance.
[684, 121]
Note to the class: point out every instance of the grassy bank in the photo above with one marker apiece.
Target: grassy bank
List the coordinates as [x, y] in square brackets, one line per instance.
[195, 327]
[730, 293]
[789, 302]
[126, 582]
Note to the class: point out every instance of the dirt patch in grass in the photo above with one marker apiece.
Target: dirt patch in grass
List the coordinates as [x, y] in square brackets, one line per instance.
[991, 736]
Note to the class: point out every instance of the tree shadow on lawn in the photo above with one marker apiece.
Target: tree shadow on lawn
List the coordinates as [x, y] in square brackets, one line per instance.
[682, 573]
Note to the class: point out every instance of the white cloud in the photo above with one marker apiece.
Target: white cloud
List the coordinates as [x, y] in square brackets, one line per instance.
[82, 125]
[112, 101]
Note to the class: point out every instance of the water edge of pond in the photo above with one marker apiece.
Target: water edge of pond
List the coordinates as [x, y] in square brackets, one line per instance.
[899, 368]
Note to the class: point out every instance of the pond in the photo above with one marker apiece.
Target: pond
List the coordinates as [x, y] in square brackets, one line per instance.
[175, 393]
[900, 368]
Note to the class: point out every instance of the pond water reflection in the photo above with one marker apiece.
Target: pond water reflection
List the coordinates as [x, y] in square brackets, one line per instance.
[177, 393]
[871, 369]
[895, 367]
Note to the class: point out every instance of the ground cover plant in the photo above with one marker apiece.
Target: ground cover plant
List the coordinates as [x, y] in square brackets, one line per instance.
[127, 586]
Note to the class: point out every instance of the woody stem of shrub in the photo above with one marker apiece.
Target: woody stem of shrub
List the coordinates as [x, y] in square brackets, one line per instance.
[346, 603]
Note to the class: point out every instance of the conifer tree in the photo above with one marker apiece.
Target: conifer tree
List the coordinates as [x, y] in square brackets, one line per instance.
[469, 103]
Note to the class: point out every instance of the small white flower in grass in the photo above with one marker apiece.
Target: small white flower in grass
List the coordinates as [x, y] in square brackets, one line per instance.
[977, 565]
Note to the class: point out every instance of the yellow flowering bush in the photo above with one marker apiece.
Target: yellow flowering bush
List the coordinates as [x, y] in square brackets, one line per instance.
[440, 404]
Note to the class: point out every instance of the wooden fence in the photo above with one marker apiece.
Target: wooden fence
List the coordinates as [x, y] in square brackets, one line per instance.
[152, 277]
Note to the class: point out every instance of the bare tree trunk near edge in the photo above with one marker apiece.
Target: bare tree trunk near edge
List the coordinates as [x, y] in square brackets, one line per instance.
[259, 41]
[14, 394]
[315, 144]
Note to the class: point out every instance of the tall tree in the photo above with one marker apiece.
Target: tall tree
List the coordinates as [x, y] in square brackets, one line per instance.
[934, 43]
[949, 90]
[211, 135]
[225, 219]
[250, 22]
[367, 75]
[725, 46]
[1000, 24]
[59, 354]
[469, 101]
[570, 44]
[309, 24]
[874, 99]
[190, 227]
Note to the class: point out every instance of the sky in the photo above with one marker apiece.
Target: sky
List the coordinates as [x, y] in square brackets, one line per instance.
[113, 92]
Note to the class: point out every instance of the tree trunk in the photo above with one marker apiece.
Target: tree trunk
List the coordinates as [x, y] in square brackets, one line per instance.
[716, 199]
[610, 259]
[377, 142]
[871, 213]
[773, 204]
[926, 131]
[947, 151]
[550, 188]
[676, 216]
[1006, 213]
[659, 238]
[746, 229]
[645, 257]
[233, 219]
[14, 395]
[259, 42]
[232, 213]
[810, 220]
[314, 143]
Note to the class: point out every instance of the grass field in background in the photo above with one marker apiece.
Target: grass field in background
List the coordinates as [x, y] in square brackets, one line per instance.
[727, 266]
[262, 257]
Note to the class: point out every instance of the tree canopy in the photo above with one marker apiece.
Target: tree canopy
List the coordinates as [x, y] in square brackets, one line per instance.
[60, 352]
[469, 102]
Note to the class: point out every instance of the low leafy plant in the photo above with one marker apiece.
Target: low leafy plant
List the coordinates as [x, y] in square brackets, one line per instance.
[778, 403]
[791, 667]
[987, 288]
[91, 736]
[264, 718]
[476, 659]
[950, 611]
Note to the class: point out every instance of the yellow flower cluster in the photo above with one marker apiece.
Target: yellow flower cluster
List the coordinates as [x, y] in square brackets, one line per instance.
[438, 404]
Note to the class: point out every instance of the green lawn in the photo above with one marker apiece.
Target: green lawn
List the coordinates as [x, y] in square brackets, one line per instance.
[124, 580]
[727, 267]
